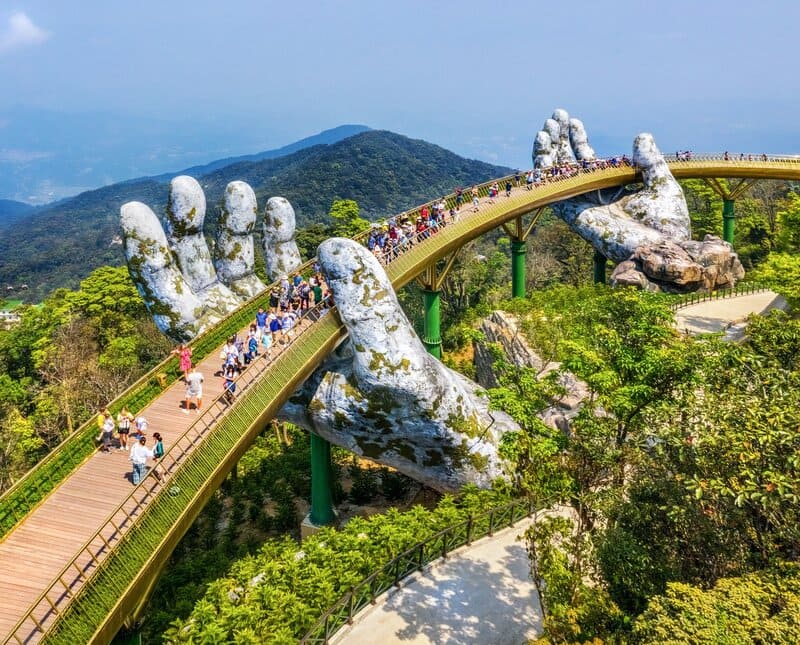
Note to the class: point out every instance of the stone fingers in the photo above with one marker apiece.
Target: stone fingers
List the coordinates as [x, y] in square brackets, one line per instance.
[186, 213]
[175, 308]
[661, 204]
[579, 141]
[233, 254]
[281, 255]
[391, 400]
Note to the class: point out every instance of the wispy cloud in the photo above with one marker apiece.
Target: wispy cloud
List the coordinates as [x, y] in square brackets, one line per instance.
[20, 31]
[22, 156]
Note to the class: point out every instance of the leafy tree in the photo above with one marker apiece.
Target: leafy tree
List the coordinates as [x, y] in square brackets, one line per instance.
[788, 218]
[781, 271]
[346, 219]
[310, 237]
[776, 336]
[761, 607]
[19, 447]
[705, 208]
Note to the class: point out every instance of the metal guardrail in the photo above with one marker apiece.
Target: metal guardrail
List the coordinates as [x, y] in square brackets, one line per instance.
[95, 563]
[412, 560]
[743, 289]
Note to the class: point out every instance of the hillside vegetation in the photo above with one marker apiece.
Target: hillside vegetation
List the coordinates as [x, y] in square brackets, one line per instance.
[384, 172]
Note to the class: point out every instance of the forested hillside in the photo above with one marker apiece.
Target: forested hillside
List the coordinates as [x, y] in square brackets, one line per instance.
[384, 172]
[11, 211]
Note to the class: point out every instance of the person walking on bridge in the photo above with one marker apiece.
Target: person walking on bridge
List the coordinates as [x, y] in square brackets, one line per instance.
[194, 390]
[139, 454]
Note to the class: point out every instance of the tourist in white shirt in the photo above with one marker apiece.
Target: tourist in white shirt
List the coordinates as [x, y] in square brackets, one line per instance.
[139, 454]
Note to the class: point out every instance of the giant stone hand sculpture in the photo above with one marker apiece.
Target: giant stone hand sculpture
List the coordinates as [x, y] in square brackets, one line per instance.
[647, 232]
[184, 291]
[381, 396]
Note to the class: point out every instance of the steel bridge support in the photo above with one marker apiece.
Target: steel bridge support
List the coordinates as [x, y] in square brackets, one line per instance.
[322, 511]
[600, 261]
[432, 338]
[519, 232]
[729, 196]
[431, 280]
[728, 220]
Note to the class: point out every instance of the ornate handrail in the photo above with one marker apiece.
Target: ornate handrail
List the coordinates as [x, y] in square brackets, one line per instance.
[412, 560]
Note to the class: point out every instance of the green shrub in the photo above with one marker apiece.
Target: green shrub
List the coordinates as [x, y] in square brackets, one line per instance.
[278, 593]
[762, 607]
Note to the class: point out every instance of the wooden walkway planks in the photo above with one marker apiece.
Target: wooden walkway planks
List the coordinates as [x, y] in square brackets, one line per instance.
[51, 535]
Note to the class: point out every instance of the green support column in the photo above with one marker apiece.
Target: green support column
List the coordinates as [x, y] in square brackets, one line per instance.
[728, 220]
[599, 268]
[518, 250]
[321, 482]
[432, 335]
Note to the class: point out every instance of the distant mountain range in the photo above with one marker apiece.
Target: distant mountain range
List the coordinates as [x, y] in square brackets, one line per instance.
[325, 137]
[385, 173]
[11, 211]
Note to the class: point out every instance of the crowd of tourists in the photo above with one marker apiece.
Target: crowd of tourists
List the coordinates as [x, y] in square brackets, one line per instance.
[292, 298]
[273, 327]
[131, 437]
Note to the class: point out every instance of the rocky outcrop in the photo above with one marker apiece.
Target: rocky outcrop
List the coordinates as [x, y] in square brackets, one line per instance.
[647, 231]
[501, 329]
[681, 266]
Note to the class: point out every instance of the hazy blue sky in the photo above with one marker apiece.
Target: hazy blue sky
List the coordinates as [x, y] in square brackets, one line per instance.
[476, 77]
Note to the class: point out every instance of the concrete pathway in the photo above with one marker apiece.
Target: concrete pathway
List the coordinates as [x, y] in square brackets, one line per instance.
[480, 594]
[713, 316]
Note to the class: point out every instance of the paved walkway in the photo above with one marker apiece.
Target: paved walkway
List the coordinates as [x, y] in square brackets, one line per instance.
[480, 594]
[713, 316]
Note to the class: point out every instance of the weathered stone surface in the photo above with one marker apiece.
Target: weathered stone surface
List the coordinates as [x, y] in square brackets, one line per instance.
[383, 396]
[665, 261]
[564, 152]
[579, 141]
[186, 211]
[628, 274]
[543, 150]
[175, 308]
[687, 265]
[502, 329]
[174, 272]
[281, 255]
[649, 226]
[233, 253]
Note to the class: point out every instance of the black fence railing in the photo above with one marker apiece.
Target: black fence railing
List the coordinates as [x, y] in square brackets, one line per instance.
[744, 289]
[416, 558]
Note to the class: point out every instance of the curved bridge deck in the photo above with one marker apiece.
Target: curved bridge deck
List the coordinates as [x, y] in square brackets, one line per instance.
[80, 561]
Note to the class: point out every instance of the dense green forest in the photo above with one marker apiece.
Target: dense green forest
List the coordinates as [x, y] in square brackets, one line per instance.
[684, 487]
[385, 172]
